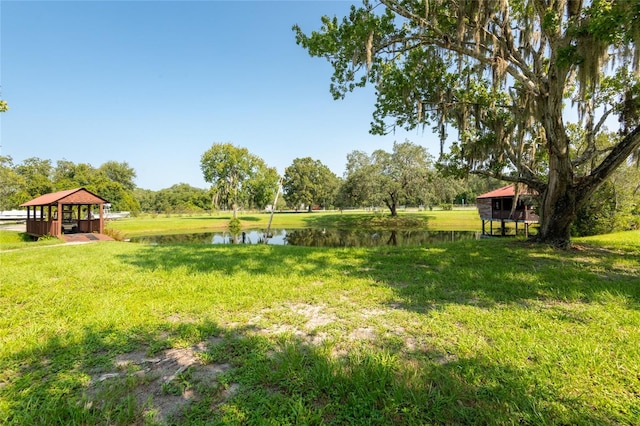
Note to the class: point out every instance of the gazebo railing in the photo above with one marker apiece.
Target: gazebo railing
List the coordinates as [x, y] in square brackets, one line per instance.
[42, 227]
[89, 225]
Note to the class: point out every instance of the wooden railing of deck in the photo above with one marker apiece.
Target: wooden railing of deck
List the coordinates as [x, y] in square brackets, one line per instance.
[89, 226]
[39, 227]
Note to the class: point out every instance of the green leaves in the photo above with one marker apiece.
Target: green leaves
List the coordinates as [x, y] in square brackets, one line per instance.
[309, 182]
[237, 176]
[402, 176]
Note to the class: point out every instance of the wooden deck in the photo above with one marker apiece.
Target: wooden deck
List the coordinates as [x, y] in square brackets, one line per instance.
[84, 238]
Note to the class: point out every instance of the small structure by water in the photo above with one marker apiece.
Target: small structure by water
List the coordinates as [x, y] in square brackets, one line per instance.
[498, 205]
[65, 212]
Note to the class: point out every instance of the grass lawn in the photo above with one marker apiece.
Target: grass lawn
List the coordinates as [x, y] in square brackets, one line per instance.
[11, 240]
[492, 331]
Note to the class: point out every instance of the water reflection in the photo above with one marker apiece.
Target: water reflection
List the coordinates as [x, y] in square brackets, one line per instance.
[315, 237]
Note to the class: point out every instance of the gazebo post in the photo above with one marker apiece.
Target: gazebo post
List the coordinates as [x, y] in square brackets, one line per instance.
[90, 216]
[59, 223]
[101, 218]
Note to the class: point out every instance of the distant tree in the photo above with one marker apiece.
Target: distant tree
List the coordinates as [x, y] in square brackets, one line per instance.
[474, 185]
[3, 106]
[509, 76]
[234, 174]
[357, 188]
[179, 198]
[442, 189]
[262, 188]
[111, 182]
[146, 199]
[121, 173]
[69, 175]
[120, 198]
[34, 177]
[12, 185]
[392, 179]
[37, 174]
[309, 182]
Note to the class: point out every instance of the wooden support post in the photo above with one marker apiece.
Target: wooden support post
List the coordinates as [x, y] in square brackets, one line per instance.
[101, 218]
[58, 230]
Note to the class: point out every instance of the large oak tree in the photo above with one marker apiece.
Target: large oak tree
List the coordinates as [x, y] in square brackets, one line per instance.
[508, 75]
[394, 178]
[308, 181]
[237, 176]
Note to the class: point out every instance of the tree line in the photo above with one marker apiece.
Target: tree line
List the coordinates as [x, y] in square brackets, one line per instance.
[19, 183]
[242, 180]
[406, 176]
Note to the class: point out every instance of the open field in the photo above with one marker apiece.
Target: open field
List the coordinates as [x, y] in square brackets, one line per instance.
[480, 332]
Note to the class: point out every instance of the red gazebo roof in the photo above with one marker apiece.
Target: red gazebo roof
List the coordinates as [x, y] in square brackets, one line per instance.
[505, 191]
[70, 196]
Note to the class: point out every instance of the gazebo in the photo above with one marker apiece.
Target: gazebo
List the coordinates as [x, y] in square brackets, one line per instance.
[498, 205]
[75, 211]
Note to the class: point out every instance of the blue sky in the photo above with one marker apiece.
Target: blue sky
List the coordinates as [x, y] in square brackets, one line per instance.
[156, 83]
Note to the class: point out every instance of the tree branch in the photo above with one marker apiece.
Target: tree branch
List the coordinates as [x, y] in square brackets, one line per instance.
[531, 182]
[623, 150]
[521, 73]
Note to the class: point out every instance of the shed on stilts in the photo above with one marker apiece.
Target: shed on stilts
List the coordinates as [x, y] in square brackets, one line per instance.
[498, 206]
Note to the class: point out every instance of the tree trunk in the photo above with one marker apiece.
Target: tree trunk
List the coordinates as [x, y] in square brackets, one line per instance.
[558, 211]
[391, 205]
[558, 204]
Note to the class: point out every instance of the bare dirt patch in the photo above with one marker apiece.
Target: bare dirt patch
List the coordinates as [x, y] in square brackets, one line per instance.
[157, 382]
[313, 317]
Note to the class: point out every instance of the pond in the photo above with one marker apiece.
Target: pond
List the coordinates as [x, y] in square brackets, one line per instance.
[313, 237]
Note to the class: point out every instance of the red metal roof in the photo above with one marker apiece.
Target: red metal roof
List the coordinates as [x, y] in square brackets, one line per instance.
[505, 191]
[80, 196]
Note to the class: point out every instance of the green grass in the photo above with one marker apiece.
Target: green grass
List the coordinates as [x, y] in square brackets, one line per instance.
[12, 240]
[493, 331]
